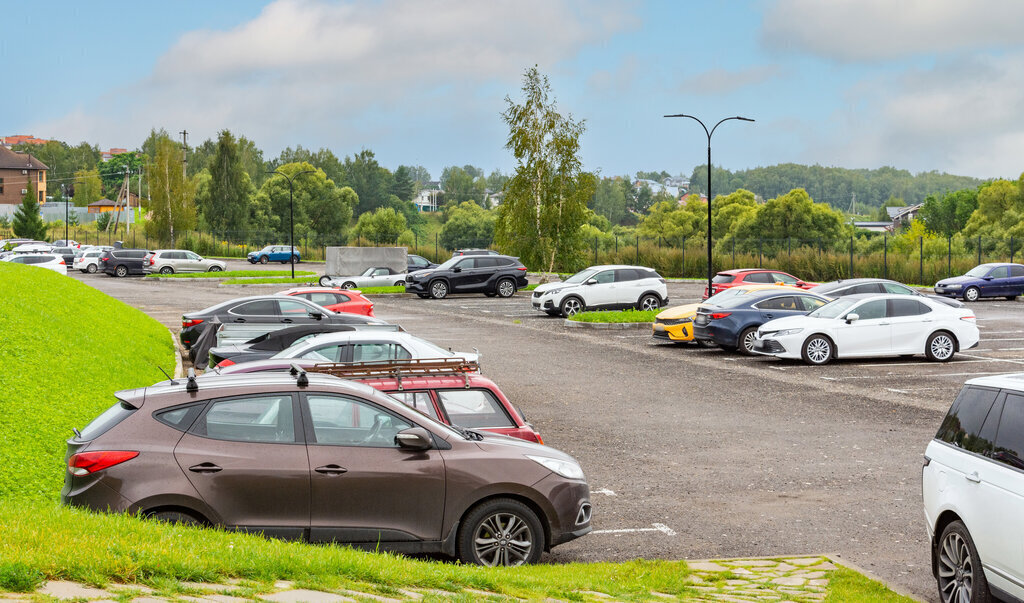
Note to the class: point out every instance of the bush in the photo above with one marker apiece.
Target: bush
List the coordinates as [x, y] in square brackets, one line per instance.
[19, 577]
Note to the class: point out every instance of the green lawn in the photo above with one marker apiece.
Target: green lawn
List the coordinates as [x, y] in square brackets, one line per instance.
[616, 316]
[233, 274]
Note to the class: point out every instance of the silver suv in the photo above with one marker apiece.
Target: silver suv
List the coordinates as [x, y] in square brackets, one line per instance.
[973, 485]
[169, 261]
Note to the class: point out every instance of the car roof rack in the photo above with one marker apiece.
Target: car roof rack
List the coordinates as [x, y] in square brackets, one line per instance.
[401, 369]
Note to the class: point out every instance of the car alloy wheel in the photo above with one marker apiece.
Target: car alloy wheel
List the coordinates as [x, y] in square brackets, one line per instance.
[817, 350]
[167, 270]
[506, 288]
[121, 271]
[264, 259]
[325, 281]
[399, 283]
[747, 339]
[215, 268]
[571, 306]
[960, 577]
[91, 268]
[940, 347]
[439, 289]
[501, 532]
[348, 285]
[971, 294]
[649, 302]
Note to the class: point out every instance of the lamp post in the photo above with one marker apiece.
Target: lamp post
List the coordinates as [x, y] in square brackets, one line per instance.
[709, 133]
[64, 187]
[291, 212]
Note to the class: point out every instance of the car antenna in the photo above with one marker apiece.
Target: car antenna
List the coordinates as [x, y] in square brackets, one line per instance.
[300, 375]
[191, 386]
[169, 378]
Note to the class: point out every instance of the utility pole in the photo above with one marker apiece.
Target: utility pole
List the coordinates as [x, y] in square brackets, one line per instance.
[184, 153]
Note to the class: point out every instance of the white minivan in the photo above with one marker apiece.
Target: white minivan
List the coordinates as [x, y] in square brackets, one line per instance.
[973, 485]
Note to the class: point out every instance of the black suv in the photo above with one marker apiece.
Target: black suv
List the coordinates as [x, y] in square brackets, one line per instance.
[491, 275]
[459, 252]
[122, 262]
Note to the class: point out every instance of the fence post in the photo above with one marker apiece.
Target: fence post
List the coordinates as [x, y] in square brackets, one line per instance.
[789, 247]
[659, 242]
[851, 257]
[920, 259]
[734, 252]
[819, 247]
[885, 255]
[616, 244]
[595, 251]
[759, 240]
[979, 249]
[435, 246]
[682, 264]
[638, 250]
[949, 257]
[1011, 249]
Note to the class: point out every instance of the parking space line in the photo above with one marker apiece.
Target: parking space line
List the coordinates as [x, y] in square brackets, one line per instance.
[993, 359]
[1006, 339]
[655, 527]
[604, 491]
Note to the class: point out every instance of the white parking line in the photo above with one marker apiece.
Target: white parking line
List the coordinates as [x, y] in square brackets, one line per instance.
[1006, 339]
[656, 527]
[605, 491]
[993, 359]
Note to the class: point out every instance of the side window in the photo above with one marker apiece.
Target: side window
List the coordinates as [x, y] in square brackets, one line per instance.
[290, 307]
[999, 272]
[473, 408]
[486, 262]
[865, 288]
[417, 401]
[180, 418]
[192, 256]
[871, 310]
[370, 352]
[327, 353]
[625, 275]
[608, 276]
[785, 279]
[1016, 270]
[1009, 446]
[381, 272]
[907, 307]
[811, 303]
[965, 418]
[339, 298]
[758, 277]
[342, 421]
[467, 264]
[263, 307]
[505, 261]
[786, 302]
[321, 299]
[252, 419]
[897, 289]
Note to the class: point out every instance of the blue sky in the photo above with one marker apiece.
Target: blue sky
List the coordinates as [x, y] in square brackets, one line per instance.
[917, 84]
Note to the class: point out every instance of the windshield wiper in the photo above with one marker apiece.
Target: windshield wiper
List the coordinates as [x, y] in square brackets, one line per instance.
[466, 433]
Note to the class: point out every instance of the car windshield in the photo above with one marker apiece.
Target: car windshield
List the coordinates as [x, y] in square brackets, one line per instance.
[580, 277]
[835, 308]
[979, 271]
[449, 263]
[721, 296]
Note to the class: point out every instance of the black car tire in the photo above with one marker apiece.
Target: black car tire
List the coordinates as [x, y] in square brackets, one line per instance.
[167, 270]
[325, 281]
[490, 294]
[1011, 298]
[516, 532]
[296, 259]
[958, 559]
[818, 350]
[399, 283]
[121, 271]
[571, 305]
[971, 294]
[264, 259]
[348, 285]
[423, 295]
[940, 346]
[176, 517]
[744, 346]
[505, 287]
[215, 269]
[438, 289]
[648, 302]
[91, 269]
[553, 312]
[284, 261]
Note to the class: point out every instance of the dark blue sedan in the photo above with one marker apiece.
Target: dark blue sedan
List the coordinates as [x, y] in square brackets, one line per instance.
[732, 324]
[274, 253]
[986, 280]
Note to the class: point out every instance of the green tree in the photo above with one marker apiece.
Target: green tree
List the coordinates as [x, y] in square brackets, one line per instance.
[199, 157]
[112, 172]
[546, 199]
[728, 210]
[419, 174]
[1000, 212]
[171, 194]
[496, 181]
[791, 216]
[103, 220]
[88, 187]
[882, 215]
[947, 214]
[226, 202]
[612, 199]
[459, 185]
[368, 179]
[468, 225]
[320, 208]
[381, 226]
[671, 221]
[27, 222]
[404, 186]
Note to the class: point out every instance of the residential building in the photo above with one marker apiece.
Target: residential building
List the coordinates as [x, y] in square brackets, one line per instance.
[101, 206]
[874, 226]
[658, 187]
[16, 171]
[426, 199]
[902, 216]
[10, 141]
[109, 154]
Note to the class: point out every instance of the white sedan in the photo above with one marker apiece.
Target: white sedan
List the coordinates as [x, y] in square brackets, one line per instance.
[871, 325]
[367, 346]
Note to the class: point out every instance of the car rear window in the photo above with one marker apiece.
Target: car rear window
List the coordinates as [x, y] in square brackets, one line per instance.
[722, 278]
[106, 421]
[759, 277]
[962, 426]
[473, 408]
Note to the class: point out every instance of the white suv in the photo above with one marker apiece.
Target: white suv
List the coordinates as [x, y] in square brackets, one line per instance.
[603, 287]
[973, 483]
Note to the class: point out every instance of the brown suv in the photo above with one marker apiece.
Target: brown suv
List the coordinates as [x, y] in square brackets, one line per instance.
[317, 458]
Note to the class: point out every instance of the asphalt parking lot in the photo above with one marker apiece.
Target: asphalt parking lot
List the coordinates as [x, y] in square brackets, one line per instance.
[695, 452]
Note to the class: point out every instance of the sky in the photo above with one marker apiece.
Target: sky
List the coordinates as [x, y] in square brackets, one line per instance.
[919, 85]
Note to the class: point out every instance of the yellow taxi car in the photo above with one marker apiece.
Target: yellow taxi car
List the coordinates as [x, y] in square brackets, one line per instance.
[676, 324]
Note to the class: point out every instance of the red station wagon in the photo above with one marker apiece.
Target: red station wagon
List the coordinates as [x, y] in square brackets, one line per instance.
[753, 276]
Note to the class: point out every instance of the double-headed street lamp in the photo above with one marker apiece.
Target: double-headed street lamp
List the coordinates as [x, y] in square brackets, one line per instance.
[709, 133]
[291, 212]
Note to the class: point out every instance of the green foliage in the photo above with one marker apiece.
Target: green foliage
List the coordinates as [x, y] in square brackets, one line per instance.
[368, 179]
[321, 209]
[172, 195]
[609, 316]
[226, 201]
[730, 210]
[27, 221]
[19, 577]
[88, 187]
[103, 220]
[460, 185]
[948, 214]
[614, 198]
[655, 176]
[468, 225]
[5, 222]
[546, 199]
[671, 221]
[112, 172]
[407, 238]
[381, 226]
[231, 274]
[73, 219]
[848, 586]
[1000, 212]
[45, 391]
[791, 216]
[404, 186]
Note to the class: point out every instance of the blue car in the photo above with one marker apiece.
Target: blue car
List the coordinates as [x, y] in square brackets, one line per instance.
[732, 324]
[274, 253]
[986, 280]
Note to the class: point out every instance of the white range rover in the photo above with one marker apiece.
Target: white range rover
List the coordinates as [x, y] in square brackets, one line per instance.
[602, 288]
[973, 484]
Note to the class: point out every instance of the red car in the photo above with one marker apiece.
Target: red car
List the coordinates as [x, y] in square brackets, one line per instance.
[334, 299]
[753, 276]
[450, 391]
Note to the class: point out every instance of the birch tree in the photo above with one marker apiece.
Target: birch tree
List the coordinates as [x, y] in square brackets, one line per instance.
[172, 194]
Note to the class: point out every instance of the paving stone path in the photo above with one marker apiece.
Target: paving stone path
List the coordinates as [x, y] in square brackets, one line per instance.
[801, 579]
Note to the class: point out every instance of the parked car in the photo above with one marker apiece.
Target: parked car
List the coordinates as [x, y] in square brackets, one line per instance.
[266, 309]
[874, 325]
[448, 390]
[315, 457]
[88, 261]
[32, 247]
[675, 324]
[973, 486]
[49, 261]
[499, 275]
[66, 253]
[270, 343]
[459, 252]
[753, 276]
[334, 299]
[417, 262]
[122, 262]
[66, 243]
[985, 280]
[368, 346]
[275, 253]
[169, 261]
[600, 288]
[850, 286]
[732, 323]
[377, 276]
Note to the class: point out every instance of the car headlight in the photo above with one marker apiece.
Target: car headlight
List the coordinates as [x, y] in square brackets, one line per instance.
[567, 469]
[951, 286]
[785, 332]
[422, 273]
[553, 291]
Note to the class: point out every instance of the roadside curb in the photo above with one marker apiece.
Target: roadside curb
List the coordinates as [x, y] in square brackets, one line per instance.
[628, 326]
[839, 559]
[179, 370]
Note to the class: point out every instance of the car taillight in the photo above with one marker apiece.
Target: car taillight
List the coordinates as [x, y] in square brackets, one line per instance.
[523, 268]
[152, 261]
[719, 315]
[190, 322]
[85, 463]
[226, 362]
[62, 263]
[969, 318]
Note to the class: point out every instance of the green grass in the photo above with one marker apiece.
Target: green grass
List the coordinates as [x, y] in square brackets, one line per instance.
[848, 586]
[233, 274]
[616, 316]
[284, 280]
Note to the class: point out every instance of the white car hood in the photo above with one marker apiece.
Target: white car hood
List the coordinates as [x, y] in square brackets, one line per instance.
[788, 322]
[549, 286]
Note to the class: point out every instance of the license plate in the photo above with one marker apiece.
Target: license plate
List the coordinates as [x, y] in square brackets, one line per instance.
[658, 327]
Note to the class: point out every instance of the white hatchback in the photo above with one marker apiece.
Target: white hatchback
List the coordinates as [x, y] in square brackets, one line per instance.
[973, 486]
[602, 288]
[40, 260]
[89, 261]
[871, 325]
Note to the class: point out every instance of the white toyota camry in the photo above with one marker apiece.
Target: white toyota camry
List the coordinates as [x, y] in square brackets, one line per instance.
[856, 326]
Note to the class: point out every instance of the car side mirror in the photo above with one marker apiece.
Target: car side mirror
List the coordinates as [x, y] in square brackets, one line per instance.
[986, 278]
[316, 315]
[852, 317]
[591, 281]
[414, 438]
[456, 269]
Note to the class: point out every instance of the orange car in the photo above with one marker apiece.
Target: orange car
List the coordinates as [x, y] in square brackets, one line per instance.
[335, 299]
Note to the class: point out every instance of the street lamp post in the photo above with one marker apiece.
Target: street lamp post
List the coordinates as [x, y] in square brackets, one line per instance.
[64, 187]
[291, 212]
[709, 133]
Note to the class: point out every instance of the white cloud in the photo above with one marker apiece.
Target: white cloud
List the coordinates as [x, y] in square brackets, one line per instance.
[722, 81]
[876, 30]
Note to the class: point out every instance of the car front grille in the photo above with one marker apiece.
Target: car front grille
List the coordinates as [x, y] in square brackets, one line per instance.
[674, 321]
[774, 347]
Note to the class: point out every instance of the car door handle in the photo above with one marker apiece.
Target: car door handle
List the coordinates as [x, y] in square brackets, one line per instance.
[286, 320]
[331, 469]
[883, 324]
[973, 477]
[239, 320]
[769, 315]
[204, 468]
